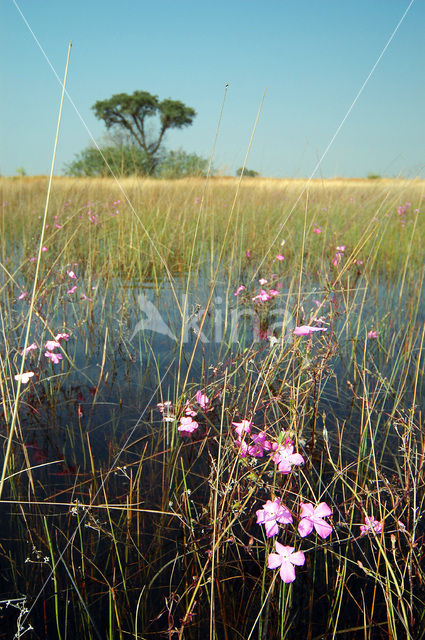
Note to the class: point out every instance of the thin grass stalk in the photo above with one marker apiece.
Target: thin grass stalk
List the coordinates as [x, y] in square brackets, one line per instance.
[215, 512]
[55, 578]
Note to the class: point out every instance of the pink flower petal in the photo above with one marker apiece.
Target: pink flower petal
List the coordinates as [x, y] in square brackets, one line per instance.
[62, 336]
[305, 527]
[307, 510]
[54, 357]
[242, 427]
[239, 290]
[322, 510]
[24, 377]
[284, 466]
[202, 399]
[30, 347]
[287, 572]
[296, 458]
[274, 560]
[298, 558]
[52, 344]
[323, 528]
[283, 549]
[272, 528]
[306, 331]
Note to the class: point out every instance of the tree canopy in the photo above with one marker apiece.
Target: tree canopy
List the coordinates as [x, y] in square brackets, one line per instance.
[130, 113]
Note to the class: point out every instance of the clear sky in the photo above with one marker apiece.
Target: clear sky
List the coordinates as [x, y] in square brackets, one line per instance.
[312, 57]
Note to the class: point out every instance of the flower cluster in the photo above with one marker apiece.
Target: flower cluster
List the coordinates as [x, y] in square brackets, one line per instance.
[339, 254]
[265, 294]
[370, 524]
[402, 210]
[50, 346]
[187, 425]
[273, 514]
[50, 354]
[73, 288]
[256, 444]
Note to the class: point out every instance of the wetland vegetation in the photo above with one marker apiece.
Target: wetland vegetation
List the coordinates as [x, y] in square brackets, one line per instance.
[212, 405]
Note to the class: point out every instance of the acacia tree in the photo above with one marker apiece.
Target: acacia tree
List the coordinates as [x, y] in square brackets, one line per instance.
[131, 112]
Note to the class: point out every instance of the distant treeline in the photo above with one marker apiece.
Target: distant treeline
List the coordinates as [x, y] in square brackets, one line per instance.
[129, 159]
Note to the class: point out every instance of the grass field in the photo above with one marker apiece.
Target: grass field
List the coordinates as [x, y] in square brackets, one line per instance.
[220, 433]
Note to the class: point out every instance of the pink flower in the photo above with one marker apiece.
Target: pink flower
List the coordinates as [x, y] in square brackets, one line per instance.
[23, 295]
[242, 427]
[189, 411]
[239, 290]
[44, 248]
[273, 293]
[84, 297]
[306, 331]
[341, 248]
[371, 525]
[372, 334]
[286, 559]
[72, 289]
[260, 445]
[54, 357]
[52, 344]
[285, 458]
[313, 517]
[202, 400]
[72, 275]
[336, 259]
[317, 230]
[248, 254]
[62, 336]
[243, 447]
[263, 296]
[262, 281]
[280, 257]
[24, 377]
[31, 347]
[187, 426]
[272, 513]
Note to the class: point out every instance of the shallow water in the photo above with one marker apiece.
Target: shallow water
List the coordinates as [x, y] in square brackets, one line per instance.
[125, 357]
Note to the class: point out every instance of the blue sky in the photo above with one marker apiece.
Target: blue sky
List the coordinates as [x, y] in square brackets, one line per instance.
[312, 57]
